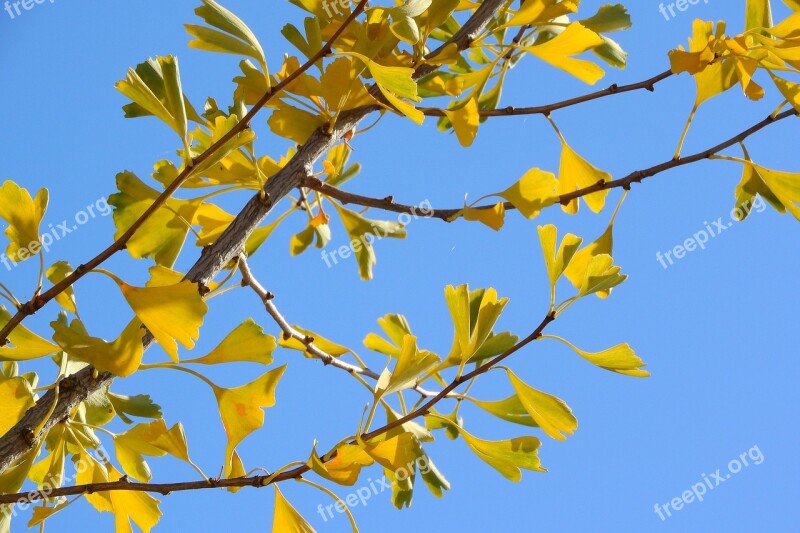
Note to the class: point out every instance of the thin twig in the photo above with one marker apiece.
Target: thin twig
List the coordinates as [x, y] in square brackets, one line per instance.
[388, 203]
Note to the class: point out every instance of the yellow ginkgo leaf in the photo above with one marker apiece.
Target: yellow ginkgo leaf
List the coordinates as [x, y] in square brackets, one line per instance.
[506, 456]
[575, 39]
[172, 313]
[620, 358]
[55, 274]
[465, 120]
[557, 261]
[494, 216]
[411, 364]
[132, 506]
[242, 409]
[153, 439]
[24, 344]
[345, 466]
[246, 343]
[577, 268]
[550, 413]
[286, 518]
[395, 454]
[121, 357]
[534, 191]
[326, 345]
[574, 173]
[23, 215]
[16, 397]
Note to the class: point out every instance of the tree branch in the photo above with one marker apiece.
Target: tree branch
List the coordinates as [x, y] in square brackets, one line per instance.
[249, 280]
[388, 203]
[260, 481]
[21, 438]
[42, 299]
[511, 111]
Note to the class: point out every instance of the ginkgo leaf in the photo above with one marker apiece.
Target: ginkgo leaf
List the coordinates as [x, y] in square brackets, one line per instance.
[465, 120]
[127, 506]
[40, 514]
[474, 315]
[557, 261]
[395, 453]
[163, 234]
[246, 343]
[16, 397]
[396, 328]
[752, 184]
[152, 439]
[575, 173]
[576, 271]
[784, 185]
[536, 190]
[286, 517]
[601, 276]
[326, 345]
[231, 35]
[345, 466]
[121, 357]
[295, 124]
[758, 14]
[363, 232]
[507, 456]
[172, 313]
[132, 506]
[55, 274]
[540, 11]
[494, 216]
[411, 363]
[23, 215]
[242, 409]
[574, 40]
[140, 405]
[620, 358]
[24, 344]
[509, 409]
[550, 413]
[394, 83]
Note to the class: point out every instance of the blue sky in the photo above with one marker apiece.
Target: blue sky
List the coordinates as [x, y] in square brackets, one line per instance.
[718, 328]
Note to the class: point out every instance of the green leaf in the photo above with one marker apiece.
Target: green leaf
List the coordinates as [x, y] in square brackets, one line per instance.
[140, 406]
[233, 37]
[550, 413]
[609, 18]
[411, 363]
[620, 358]
[507, 456]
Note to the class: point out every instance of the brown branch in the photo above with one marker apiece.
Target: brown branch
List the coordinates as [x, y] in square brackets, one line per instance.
[21, 438]
[510, 111]
[289, 332]
[260, 481]
[42, 299]
[388, 203]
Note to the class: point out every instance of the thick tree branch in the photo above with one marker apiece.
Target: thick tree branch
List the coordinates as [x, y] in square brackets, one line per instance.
[42, 299]
[21, 438]
[388, 203]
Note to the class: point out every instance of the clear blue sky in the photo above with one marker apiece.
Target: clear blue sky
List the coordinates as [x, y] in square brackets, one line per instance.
[718, 329]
